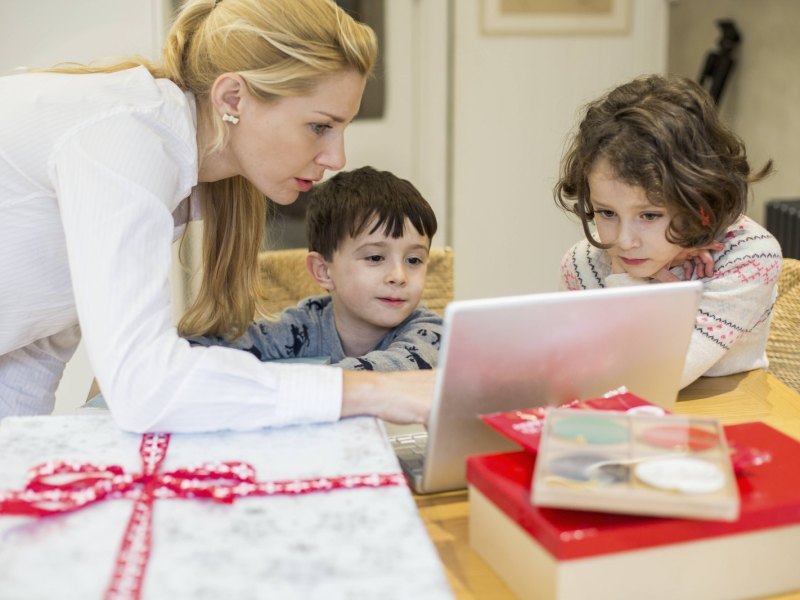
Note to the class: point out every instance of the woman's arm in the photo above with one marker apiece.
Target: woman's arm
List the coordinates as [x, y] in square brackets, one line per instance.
[120, 179]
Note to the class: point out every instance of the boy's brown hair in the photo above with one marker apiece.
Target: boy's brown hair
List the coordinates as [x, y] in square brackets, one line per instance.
[346, 204]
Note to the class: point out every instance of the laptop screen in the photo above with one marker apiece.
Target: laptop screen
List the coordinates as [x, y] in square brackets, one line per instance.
[499, 354]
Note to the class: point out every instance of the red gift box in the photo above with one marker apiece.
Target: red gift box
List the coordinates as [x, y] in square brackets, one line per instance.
[524, 426]
[556, 553]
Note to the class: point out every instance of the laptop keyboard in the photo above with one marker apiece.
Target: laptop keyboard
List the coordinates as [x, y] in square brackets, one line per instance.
[410, 449]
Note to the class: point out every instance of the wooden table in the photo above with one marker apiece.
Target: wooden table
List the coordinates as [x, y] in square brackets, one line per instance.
[752, 396]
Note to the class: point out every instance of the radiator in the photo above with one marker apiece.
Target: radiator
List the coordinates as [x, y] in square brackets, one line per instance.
[783, 221]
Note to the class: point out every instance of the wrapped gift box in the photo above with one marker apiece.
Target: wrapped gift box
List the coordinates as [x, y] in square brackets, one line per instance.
[367, 542]
[569, 554]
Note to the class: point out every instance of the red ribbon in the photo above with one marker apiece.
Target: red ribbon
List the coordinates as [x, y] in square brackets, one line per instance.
[58, 487]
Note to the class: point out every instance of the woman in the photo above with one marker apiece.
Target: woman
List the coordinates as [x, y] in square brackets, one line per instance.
[98, 167]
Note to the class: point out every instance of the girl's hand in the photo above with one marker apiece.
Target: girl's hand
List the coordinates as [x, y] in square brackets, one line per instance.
[695, 260]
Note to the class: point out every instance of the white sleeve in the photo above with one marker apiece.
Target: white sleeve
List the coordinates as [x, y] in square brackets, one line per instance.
[30, 375]
[734, 302]
[116, 183]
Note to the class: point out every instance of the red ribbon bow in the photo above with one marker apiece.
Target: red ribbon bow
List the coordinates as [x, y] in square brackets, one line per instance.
[59, 487]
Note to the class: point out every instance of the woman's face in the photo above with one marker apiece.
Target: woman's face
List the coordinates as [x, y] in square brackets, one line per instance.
[283, 147]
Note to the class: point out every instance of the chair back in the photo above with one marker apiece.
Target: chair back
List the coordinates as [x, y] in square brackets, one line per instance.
[783, 345]
[287, 281]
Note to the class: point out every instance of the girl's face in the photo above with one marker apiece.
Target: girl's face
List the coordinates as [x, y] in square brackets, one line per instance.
[626, 219]
[283, 147]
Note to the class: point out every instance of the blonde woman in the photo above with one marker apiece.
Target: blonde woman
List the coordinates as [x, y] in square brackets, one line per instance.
[99, 168]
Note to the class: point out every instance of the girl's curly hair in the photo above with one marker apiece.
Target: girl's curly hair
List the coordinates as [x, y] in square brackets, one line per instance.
[663, 135]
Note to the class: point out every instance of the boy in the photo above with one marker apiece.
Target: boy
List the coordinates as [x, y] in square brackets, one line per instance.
[369, 234]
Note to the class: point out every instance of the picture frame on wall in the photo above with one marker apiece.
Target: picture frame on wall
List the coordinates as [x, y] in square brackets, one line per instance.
[555, 17]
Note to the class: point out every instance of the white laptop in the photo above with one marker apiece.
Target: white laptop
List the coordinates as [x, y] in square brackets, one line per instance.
[499, 354]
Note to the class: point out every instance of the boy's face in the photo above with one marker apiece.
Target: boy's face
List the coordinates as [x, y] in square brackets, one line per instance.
[377, 281]
[626, 219]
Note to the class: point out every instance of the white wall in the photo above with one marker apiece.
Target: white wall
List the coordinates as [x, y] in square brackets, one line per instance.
[411, 139]
[762, 95]
[516, 98]
[41, 33]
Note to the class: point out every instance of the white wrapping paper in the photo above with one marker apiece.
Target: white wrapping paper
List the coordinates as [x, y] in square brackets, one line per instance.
[349, 544]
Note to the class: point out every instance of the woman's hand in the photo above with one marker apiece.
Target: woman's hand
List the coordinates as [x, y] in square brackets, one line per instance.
[401, 397]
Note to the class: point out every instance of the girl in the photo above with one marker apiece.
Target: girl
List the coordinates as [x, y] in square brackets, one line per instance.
[99, 166]
[666, 184]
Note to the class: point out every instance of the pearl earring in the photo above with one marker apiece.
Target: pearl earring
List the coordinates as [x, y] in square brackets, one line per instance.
[230, 119]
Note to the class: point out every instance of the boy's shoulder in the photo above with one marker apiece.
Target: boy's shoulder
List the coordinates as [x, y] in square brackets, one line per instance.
[421, 313]
[314, 304]
[311, 310]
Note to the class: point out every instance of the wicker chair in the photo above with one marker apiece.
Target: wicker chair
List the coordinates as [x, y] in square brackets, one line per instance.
[783, 346]
[288, 282]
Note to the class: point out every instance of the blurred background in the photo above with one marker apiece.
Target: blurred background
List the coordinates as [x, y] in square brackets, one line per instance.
[474, 102]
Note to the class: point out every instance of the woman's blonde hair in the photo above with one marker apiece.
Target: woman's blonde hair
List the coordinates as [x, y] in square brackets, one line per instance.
[279, 48]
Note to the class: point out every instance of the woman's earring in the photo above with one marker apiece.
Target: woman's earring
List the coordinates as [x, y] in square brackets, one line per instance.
[230, 119]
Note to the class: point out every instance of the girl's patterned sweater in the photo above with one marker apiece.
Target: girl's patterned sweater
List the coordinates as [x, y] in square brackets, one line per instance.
[732, 324]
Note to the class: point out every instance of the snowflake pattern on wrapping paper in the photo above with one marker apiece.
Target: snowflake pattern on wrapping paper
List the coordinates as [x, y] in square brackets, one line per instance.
[62, 486]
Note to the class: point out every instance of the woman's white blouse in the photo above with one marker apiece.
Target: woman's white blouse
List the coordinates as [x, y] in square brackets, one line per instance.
[91, 169]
